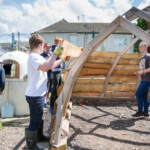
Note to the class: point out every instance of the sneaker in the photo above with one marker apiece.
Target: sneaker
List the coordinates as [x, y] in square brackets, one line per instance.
[46, 106]
[51, 110]
[138, 114]
[146, 115]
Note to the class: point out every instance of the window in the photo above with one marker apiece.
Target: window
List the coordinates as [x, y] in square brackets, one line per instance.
[120, 41]
[73, 39]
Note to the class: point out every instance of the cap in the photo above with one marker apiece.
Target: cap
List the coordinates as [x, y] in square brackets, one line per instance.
[47, 45]
[1, 60]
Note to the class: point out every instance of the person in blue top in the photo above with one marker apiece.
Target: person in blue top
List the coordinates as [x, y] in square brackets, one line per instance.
[2, 77]
[57, 80]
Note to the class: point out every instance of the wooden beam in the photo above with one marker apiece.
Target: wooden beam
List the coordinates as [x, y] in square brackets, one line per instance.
[141, 34]
[65, 94]
[115, 63]
[131, 14]
[108, 54]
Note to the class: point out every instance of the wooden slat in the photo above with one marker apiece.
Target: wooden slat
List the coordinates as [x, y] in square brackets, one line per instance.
[70, 49]
[107, 66]
[96, 65]
[89, 71]
[90, 81]
[122, 87]
[85, 88]
[111, 61]
[112, 95]
[108, 94]
[93, 88]
[120, 94]
[140, 33]
[123, 79]
[104, 54]
[86, 94]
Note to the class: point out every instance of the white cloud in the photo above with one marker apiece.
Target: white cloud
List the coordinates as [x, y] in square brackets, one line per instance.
[121, 6]
[101, 3]
[32, 17]
[4, 28]
[144, 3]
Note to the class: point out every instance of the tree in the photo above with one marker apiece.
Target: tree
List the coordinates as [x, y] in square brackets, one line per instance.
[143, 25]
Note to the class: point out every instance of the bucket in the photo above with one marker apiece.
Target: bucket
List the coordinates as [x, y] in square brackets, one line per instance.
[7, 110]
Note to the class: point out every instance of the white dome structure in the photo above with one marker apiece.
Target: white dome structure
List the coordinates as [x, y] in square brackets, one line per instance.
[15, 64]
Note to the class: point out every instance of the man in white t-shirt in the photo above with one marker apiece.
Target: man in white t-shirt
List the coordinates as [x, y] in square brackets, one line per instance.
[37, 68]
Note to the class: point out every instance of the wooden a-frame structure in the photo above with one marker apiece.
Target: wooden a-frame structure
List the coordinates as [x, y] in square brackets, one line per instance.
[59, 141]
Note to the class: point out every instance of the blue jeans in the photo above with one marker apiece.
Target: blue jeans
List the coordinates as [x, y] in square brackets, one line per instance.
[142, 96]
[36, 105]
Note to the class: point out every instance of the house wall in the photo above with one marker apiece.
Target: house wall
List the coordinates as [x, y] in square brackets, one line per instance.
[114, 43]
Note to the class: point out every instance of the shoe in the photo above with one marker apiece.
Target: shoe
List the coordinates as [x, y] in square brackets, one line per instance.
[31, 140]
[46, 106]
[48, 102]
[51, 110]
[138, 114]
[146, 115]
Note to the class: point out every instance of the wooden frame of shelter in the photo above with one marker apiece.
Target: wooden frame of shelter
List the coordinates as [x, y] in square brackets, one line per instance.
[62, 122]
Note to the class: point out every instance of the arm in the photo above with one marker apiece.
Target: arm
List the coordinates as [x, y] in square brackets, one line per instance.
[2, 81]
[143, 71]
[50, 63]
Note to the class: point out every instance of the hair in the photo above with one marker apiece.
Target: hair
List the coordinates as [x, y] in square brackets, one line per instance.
[57, 39]
[35, 40]
[144, 43]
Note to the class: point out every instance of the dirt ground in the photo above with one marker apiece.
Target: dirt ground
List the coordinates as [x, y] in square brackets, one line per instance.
[96, 126]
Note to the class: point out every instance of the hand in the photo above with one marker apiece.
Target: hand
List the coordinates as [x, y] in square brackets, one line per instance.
[58, 50]
[139, 73]
[66, 58]
[1, 93]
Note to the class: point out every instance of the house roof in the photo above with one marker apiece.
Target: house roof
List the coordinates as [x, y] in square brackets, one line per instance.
[65, 27]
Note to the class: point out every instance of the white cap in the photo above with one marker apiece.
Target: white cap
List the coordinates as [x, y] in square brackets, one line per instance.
[1, 60]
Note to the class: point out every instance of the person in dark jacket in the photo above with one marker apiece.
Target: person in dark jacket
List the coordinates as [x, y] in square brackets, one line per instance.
[2, 77]
[57, 79]
[46, 55]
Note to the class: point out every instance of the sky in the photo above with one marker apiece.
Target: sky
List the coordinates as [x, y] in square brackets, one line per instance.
[28, 16]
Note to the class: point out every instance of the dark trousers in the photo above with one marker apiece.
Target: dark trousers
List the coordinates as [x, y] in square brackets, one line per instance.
[142, 96]
[57, 81]
[36, 105]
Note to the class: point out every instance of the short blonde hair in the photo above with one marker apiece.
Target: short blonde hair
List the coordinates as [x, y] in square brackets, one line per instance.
[35, 40]
[144, 43]
[57, 39]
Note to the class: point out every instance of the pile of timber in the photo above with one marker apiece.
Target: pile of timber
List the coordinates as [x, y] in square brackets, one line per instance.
[122, 82]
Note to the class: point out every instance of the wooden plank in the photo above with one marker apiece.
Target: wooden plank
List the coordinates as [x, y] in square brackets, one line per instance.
[98, 88]
[86, 94]
[111, 61]
[85, 88]
[108, 94]
[131, 14]
[123, 79]
[89, 71]
[141, 34]
[90, 81]
[96, 65]
[120, 94]
[122, 87]
[70, 49]
[108, 66]
[105, 54]
[142, 14]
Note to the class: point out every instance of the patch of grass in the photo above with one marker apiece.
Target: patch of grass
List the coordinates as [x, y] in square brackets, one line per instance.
[5, 124]
[1, 126]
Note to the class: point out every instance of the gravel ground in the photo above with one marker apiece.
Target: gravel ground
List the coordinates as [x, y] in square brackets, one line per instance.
[96, 126]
